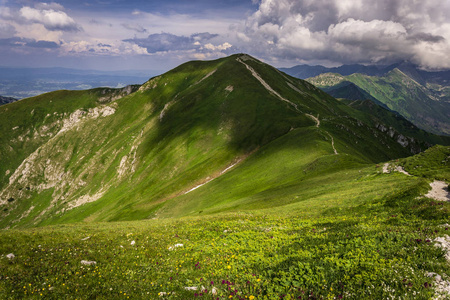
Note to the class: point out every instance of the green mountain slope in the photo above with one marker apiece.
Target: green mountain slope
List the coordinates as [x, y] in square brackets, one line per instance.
[349, 91]
[255, 137]
[425, 105]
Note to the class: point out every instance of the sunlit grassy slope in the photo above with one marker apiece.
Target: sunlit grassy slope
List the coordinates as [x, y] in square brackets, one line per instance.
[108, 155]
[432, 163]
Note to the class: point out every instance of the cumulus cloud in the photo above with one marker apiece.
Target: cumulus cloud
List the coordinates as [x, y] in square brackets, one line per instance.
[51, 19]
[349, 31]
[101, 49]
[163, 42]
[221, 47]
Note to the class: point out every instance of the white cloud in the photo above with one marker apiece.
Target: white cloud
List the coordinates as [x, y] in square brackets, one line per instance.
[222, 47]
[357, 31]
[349, 31]
[114, 49]
[161, 42]
[51, 19]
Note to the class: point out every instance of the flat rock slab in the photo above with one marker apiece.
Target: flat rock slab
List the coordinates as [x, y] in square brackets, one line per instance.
[439, 191]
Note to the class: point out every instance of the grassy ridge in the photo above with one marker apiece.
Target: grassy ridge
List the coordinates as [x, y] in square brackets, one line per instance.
[433, 163]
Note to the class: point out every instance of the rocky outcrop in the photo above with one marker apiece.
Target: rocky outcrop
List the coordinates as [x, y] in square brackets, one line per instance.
[38, 174]
[404, 141]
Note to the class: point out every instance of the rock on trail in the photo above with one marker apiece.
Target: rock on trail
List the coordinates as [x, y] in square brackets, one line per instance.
[439, 191]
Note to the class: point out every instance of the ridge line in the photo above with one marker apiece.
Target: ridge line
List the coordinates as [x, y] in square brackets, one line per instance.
[271, 90]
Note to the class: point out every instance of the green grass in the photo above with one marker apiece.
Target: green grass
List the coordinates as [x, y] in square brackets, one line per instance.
[370, 249]
[432, 163]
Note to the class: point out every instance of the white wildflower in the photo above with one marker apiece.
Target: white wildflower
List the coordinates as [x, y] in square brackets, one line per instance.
[175, 246]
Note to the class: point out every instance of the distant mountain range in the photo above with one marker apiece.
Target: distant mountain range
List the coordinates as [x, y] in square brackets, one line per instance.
[420, 96]
[28, 82]
[412, 70]
[6, 100]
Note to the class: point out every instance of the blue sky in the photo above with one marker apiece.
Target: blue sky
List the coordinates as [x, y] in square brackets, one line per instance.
[158, 35]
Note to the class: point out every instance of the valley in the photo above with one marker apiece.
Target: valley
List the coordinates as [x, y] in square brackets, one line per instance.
[419, 96]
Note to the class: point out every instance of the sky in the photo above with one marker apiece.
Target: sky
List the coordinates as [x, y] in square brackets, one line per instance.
[159, 35]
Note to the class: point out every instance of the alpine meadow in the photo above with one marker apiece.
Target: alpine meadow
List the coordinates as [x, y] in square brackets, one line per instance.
[223, 179]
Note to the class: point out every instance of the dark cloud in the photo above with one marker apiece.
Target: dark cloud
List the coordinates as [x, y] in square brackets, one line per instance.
[23, 42]
[12, 42]
[161, 42]
[7, 30]
[426, 37]
[317, 17]
[137, 28]
[42, 44]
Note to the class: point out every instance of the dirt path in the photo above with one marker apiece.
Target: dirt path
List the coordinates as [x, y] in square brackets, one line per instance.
[271, 90]
[332, 142]
[314, 119]
[439, 191]
[206, 76]
[209, 179]
[267, 86]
